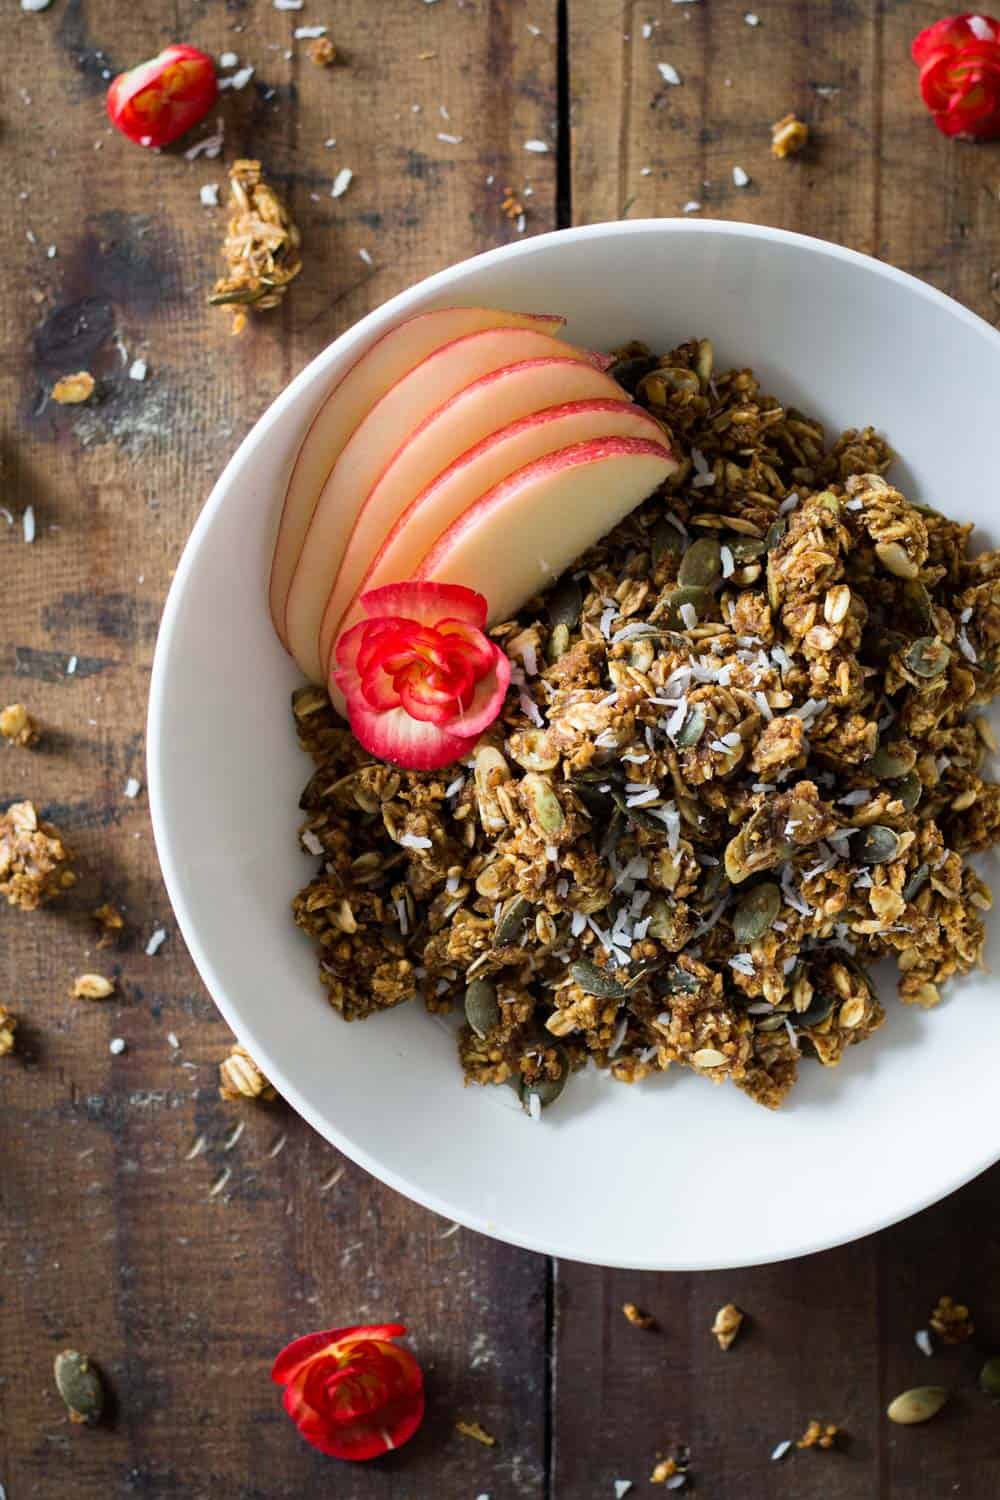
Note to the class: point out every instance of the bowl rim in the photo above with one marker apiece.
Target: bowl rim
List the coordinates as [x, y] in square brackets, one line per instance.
[358, 336]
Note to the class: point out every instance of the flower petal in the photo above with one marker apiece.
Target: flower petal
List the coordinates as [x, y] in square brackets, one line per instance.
[426, 602]
[487, 700]
[398, 737]
[295, 1354]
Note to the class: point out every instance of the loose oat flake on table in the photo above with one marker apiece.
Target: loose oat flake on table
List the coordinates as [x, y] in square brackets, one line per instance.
[740, 759]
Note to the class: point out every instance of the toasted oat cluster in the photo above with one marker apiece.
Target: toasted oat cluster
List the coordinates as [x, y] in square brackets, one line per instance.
[739, 761]
[34, 861]
[261, 248]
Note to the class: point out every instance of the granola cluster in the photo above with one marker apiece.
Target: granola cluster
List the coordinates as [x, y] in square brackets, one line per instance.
[34, 861]
[740, 760]
[261, 248]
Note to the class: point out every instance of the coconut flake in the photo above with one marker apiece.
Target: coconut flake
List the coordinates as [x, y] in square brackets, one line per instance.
[751, 19]
[922, 1339]
[308, 33]
[238, 80]
[606, 618]
[539, 147]
[117, 1046]
[761, 701]
[449, 139]
[530, 709]
[788, 504]
[454, 787]
[341, 182]
[783, 1447]
[209, 195]
[534, 1107]
[619, 1035]
[138, 370]
[414, 841]
[855, 799]
[622, 1486]
[133, 787]
[728, 561]
[310, 843]
[668, 73]
[578, 921]
[28, 524]
[689, 615]
[966, 647]
[156, 942]
[211, 146]
[741, 178]
[288, 4]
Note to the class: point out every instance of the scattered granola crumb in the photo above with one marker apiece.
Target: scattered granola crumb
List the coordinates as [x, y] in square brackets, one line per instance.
[8, 1026]
[28, 524]
[637, 1317]
[228, 60]
[117, 1046]
[72, 665]
[511, 207]
[951, 1322]
[692, 206]
[538, 147]
[667, 1468]
[240, 1077]
[261, 248]
[110, 920]
[819, 1435]
[751, 19]
[34, 861]
[18, 726]
[72, 389]
[728, 1321]
[322, 52]
[474, 1430]
[92, 987]
[788, 136]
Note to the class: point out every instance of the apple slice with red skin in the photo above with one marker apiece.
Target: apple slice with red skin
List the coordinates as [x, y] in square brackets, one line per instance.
[452, 430]
[372, 445]
[475, 473]
[368, 379]
[522, 534]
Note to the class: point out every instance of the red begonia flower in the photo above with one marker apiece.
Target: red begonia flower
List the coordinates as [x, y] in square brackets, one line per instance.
[156, 102]
[352, 1392]
[959, 62]
[420, 679]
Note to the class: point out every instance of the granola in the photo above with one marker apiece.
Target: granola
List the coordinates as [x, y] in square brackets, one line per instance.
[241, 1078]
[740, 760]
[34, 861]
[18, 726]
[8, 1027]
[261, 248]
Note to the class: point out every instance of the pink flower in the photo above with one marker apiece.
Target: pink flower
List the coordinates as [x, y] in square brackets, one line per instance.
[420, 679]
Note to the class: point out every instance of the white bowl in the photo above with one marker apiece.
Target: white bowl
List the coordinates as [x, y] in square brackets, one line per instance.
[671, 1174]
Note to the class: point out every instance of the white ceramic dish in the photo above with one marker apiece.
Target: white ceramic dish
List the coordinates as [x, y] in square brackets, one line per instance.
[673, 1174]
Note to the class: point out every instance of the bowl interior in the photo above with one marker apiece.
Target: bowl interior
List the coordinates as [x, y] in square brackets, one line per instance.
[673, 1173]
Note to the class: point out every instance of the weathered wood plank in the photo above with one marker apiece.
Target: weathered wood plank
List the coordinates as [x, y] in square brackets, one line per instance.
[109, 1234]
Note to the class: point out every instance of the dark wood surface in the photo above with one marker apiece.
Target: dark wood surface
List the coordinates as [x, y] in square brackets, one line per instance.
[110, 1237]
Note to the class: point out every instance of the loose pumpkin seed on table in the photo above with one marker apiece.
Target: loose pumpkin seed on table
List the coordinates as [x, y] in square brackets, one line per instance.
[740, 761]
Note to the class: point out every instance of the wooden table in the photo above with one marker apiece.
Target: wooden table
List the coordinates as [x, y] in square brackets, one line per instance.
[110, 1236]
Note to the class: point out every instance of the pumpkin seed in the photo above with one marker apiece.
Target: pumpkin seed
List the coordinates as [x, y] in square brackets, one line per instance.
[675, 601]
[701, 565]
[708, 1057]
[595, 981]
[918, 1405]
[558, 643]
[680, 980]
[816, 1011]
[916, 882]
[895, 558]
[692, 729]
[704, 361]
[775, 533]
[891, 764]
[829, 501]
[918, 602]
[638, 816]
[513, 915]
[908, 789]
[490, 769]
[879, 845]
[533, 750]
[928, 656]
[544, 807]
[664, 539]
[744, 548]
[547, 1090]
[79, 1385]
[756, 912]
[773, 586]
[482, 1009]
[564, 601]
[661, 924]
[660, 385]
[989, 1378]
[628, 372]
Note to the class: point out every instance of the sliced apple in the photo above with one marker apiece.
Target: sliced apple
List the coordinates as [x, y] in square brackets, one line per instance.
[355, 394]
[521, 535]
[453, 429]
[473, 475]
[372, 445]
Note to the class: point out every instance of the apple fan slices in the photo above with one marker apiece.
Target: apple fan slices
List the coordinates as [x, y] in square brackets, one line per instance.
[467, 445]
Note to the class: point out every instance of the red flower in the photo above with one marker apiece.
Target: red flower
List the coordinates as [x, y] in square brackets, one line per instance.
[420, 678]
[159, 100]
[959, 62]
[352, 1392]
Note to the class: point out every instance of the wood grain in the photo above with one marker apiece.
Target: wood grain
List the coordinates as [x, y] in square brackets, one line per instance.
[120, 1230]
